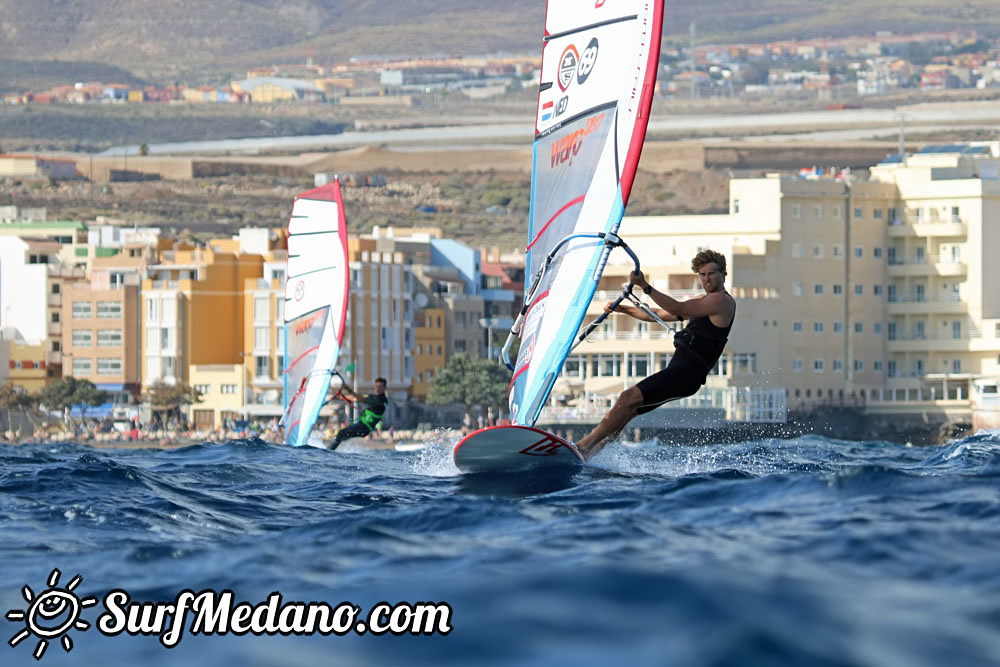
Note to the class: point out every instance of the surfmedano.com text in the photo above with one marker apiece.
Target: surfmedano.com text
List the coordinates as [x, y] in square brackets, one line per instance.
[214, 613]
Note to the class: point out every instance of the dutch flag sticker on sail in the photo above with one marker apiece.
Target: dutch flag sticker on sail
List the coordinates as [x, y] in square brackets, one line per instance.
[547, 110]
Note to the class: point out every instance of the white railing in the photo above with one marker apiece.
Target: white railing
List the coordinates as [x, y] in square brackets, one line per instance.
[741, 404]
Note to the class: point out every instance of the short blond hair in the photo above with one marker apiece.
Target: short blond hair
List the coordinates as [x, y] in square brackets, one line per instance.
[707, 257]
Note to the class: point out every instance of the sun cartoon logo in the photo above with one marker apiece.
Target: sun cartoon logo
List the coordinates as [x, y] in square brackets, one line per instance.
[52, 614]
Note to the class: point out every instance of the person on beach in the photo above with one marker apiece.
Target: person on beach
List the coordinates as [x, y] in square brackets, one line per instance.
[371, 415]
[698, 347]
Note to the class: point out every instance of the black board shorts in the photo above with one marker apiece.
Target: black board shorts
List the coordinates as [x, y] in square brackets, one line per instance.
[682, 377]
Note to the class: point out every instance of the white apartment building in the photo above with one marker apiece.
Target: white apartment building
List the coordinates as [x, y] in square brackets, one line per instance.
[848, 291]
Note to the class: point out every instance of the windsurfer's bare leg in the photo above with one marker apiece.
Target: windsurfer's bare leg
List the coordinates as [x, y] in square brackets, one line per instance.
[624, 409]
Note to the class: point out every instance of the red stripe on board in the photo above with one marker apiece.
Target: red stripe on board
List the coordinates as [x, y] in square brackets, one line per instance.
[573, 202]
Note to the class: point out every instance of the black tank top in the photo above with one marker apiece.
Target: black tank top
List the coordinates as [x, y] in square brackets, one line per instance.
[703, 339]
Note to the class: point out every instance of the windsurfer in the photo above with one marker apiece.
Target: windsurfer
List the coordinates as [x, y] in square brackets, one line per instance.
[371, 415]
[698, 347]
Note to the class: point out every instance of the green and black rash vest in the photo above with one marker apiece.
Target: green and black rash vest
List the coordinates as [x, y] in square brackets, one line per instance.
[374, 409]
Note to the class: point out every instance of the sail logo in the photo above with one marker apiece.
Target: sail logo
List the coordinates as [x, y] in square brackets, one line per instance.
[566, 148]
[305, 325]
[562, 106]
[587, 61]
[546, 447]
[300, 290]
[568, 63]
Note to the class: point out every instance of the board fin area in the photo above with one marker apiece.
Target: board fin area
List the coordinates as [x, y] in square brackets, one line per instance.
[514, 449]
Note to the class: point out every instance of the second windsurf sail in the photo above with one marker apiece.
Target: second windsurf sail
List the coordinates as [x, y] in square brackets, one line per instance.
[316, 292]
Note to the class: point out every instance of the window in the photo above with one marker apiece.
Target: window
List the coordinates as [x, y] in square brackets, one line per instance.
[818, 211]
[877, 327]
[109, 366]
[838, 251]
[877, 253]
[228, 389]
[877, 366]
[797, 211]
[797, 289]
[818, 289]
[859, 290]
[891, 368]
[261, 339]
[736, 205]
[797, 365]
[202, 389]
[151, 310]
[109, 338]
[55, 288]
[261, 367]
[82, 310]
[859, 213]
[745, 363]
[877, 290]
[838, 365]
[55, 317]
[797, 250]
[838, 327]
[859, 327]
[891, 331]
[817, 327]
[860, 365]
[837, 212]
[83, 337]
[82, 366]
[893, 216]
[261, 313]
[956, 366]
[838, 289]
[956, 329]
[797, 327]
[877, 213]
[817, 251]
[817, 365]
[859, 252]
[109, 310]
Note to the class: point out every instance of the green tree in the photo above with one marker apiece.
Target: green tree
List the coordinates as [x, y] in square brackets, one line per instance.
[166, 400]
[470, 382]
[68, 392]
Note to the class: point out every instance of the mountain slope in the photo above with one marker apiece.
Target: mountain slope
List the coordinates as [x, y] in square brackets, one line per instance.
[163, 36]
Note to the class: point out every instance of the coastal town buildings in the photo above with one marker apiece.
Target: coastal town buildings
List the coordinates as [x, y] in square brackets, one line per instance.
[849, 291]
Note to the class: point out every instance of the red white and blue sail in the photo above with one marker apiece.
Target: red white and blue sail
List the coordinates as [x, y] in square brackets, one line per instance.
[599, 62]
[316, 292]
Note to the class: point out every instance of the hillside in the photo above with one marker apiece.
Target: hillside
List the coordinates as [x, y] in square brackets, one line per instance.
[189, 38]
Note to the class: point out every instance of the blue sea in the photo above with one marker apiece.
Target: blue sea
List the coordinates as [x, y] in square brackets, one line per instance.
[803, 551]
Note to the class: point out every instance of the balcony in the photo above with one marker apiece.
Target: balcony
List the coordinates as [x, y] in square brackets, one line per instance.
[941, 266]
[953, 227]
[925, 343]
[917, 306]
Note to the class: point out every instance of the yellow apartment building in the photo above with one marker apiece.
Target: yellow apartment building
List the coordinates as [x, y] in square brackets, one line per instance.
[429, 355]
[222, 387]
[192, 312]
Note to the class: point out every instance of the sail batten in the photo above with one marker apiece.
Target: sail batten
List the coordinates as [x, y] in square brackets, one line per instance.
[599, 66]
[315, 307]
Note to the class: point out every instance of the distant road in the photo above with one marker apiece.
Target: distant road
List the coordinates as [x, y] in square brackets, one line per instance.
[842, 125]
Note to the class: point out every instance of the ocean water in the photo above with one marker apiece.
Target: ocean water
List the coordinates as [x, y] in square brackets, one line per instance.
[805, 551]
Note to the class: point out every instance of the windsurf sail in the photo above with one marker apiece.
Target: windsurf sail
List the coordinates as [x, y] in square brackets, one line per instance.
[316, 292]
[599, 62]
